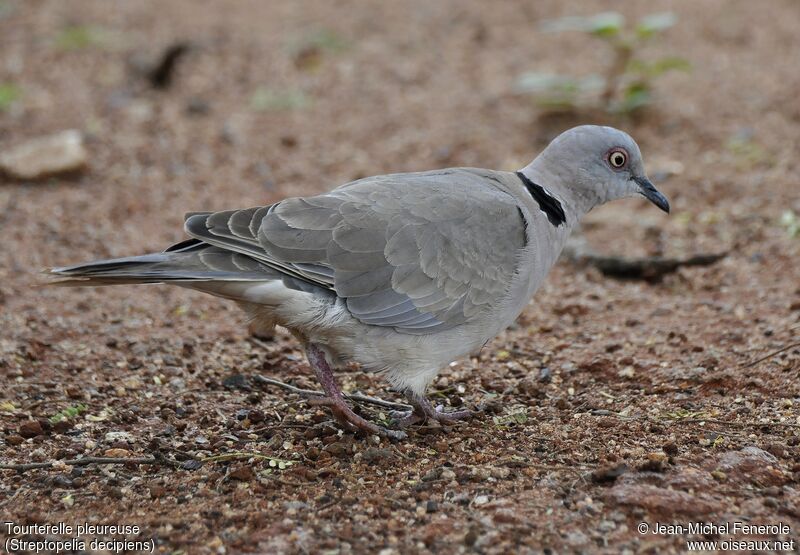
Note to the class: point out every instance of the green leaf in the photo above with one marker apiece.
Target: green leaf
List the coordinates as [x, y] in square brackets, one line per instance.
[67, 413]
[326, 40]
[658, 67]
[265, 99]
[791, 222]
[606, 24]
[558, 91]
[9, 93]
[654, 23]
[669, 63]
[78, 37]
[636, 95]
[513, 418]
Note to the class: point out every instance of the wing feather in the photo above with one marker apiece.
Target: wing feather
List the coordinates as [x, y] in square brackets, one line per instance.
[417, 252]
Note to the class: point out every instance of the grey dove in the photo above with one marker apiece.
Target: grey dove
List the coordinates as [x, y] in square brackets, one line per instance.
[401, 273]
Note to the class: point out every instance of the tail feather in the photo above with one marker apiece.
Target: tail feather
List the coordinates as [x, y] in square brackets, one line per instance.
[184, 265]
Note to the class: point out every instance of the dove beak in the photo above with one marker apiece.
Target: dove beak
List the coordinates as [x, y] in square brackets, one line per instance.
[652, 194]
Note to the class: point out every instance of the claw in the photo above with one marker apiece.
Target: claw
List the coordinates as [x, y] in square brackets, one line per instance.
[424, 410]
[352, 422]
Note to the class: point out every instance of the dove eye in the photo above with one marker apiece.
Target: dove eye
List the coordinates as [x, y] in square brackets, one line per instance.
[617, 158]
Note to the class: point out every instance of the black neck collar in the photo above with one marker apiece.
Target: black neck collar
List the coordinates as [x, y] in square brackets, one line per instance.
[547, 203]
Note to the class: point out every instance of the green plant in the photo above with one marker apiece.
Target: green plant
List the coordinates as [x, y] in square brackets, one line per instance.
[791, 222]
[9, 93]
[77, 37]
[265, 99]
[627, 83]
[68, 413]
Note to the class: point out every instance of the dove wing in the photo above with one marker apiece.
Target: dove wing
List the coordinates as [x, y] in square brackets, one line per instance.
[417, 252]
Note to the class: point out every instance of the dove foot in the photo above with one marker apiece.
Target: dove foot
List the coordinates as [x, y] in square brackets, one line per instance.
[334, 400]
[424, 410]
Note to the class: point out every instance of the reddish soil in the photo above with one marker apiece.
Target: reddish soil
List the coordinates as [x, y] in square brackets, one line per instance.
[608, 404]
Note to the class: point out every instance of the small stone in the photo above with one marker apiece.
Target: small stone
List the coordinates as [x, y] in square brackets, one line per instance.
[500, 472]
[659, 500]
[670, 448]
[752, 465]
[45, 156]
[338, 449]
[627, 372]
[481, 500]
[30, 428]
[374, 455]
[608, 474]
[74, 392]
[14, 439]
[241, 473]
[113, 437]
[656, 462]
[62, 426]
[431, 506]
[62, 481]
[191, 464]
[236, 381]
[447, 475]
[505, 516]
[117, 453]
[256, 416]
[157, 491]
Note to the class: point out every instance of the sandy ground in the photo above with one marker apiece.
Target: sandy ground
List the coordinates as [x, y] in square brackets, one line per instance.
[609, 403]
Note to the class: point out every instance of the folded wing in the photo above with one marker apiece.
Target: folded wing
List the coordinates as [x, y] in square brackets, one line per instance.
[420, 252]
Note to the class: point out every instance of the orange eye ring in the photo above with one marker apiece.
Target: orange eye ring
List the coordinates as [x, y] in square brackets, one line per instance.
[617, 158]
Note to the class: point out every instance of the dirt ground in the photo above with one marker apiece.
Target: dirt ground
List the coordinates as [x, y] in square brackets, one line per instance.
[610, 403]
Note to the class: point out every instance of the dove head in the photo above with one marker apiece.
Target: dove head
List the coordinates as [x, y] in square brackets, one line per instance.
[592, 165]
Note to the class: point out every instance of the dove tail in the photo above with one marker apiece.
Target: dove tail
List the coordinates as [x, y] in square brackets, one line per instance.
[198, 263]
[148, 268]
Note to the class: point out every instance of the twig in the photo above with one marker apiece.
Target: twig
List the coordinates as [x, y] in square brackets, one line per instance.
[86, 461]
[765, 357]
[725, 423]
[648, 268]
[696, 420]
[357, 397]
[236, 455]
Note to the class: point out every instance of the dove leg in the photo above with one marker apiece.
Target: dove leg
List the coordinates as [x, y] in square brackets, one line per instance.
[424, 410]
[334, 400]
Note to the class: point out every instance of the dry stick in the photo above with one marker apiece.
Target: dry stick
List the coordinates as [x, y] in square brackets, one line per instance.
[765, 357]
[86, 461]
[352, 396]
[725, 423]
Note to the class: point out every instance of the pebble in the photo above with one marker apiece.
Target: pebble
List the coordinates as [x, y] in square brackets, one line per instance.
[373, 455]
[241, 473]
[30, 428]
[117, 453]
[500, 472]
[608, 474]
[656, 462]
[14, 439]
[45, 156]
[112, 437]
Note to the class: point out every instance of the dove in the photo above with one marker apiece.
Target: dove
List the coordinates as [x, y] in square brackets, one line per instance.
[401, 273]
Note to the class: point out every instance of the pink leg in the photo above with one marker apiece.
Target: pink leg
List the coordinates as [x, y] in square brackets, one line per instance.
[334, 400]
[424, 410]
